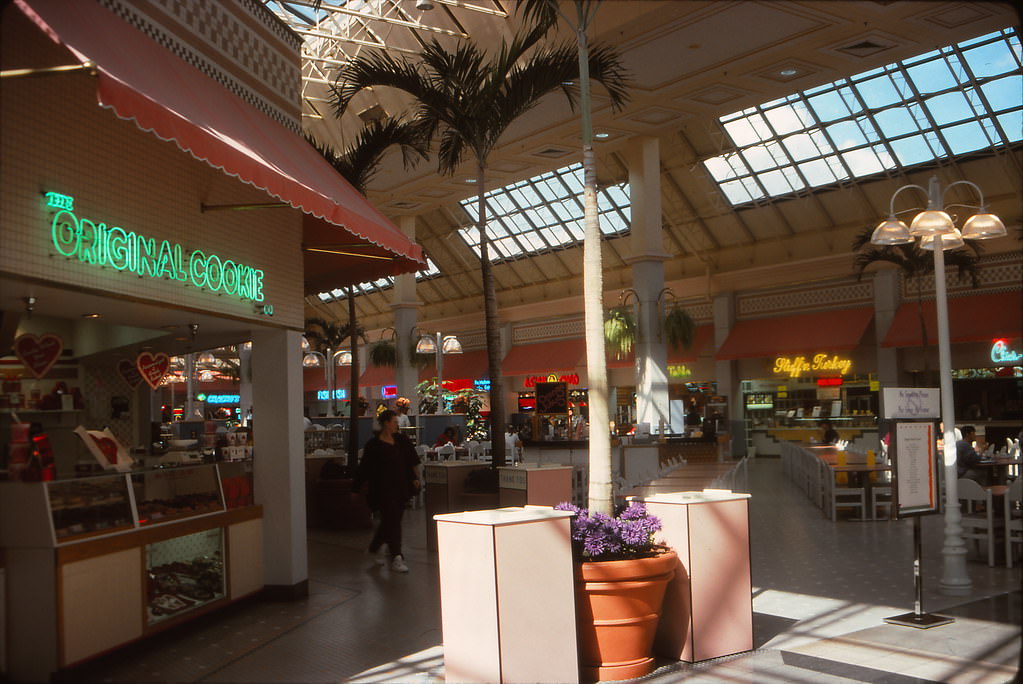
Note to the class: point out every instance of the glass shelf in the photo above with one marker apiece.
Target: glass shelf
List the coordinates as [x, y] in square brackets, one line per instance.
[184, 574]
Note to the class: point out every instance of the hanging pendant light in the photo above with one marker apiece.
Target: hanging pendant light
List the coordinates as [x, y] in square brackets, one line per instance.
[451, 345]
[206, 358]
[311, 361]
[948, 241]
[983, 226]
[343, 358]
[931, 222]
[426, 345]
[891, 231]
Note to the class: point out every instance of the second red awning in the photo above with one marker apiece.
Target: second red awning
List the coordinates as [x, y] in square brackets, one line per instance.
[839, 330]
[971, 318]
[544, 357]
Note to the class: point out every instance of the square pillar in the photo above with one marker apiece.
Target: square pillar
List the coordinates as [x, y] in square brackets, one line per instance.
[406, 306]
[506, 592]
[887, 299]
[279, 462]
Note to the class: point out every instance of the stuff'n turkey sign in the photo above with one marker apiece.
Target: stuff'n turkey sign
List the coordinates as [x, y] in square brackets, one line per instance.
[38, 353]
[129, 372]
[152, 367]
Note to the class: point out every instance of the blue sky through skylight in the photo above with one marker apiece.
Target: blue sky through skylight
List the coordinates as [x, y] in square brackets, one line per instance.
[957, 100]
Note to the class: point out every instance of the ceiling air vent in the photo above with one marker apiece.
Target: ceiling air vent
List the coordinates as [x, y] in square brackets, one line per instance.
[552, 152]
[864, 48]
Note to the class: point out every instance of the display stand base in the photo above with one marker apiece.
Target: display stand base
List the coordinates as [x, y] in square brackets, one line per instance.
[920, 620]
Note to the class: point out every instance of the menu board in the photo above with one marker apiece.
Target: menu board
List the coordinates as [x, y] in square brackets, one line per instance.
[551, 397]
[915, 470]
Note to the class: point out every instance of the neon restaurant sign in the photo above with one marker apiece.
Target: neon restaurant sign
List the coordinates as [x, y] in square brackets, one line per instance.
[101, 245]
[794, 366]
[1001, 353]
[571, 379]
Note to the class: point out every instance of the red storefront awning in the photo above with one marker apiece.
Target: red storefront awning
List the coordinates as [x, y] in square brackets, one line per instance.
[839, 330]
[314, 379]
[142, 81]
[971, 318]
[470, 365]
[378, 376]
[701, 337]
[544, 357]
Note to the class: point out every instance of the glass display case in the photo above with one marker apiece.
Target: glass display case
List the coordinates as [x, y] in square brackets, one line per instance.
[183, 574]
[172, 493]
[89, 506]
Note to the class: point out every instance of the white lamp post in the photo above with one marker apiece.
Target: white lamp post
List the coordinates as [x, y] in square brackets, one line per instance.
[439, 344]
[935, 228]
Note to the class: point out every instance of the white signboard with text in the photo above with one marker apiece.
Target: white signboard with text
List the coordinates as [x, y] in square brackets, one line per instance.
[915, 469]
[913, 403]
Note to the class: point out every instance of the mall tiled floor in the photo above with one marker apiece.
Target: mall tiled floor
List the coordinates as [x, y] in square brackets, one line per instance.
[821, 592]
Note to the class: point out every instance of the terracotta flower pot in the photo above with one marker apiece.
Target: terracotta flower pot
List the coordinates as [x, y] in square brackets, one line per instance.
[618, 604]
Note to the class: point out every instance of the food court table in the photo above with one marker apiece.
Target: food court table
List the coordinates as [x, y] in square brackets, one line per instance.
[996, 470]
[862, 472]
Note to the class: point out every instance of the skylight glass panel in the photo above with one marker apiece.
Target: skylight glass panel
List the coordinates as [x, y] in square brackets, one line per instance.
[544, 213]
[961, 99]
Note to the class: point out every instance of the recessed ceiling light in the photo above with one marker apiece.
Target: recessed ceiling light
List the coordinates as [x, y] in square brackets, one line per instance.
[603, 135]
[169, 328]
[181, 339]
[470, 181]
[788, 72]
[92, 315]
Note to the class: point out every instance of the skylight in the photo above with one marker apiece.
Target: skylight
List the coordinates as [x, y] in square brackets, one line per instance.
[954, 101]
[544, 213]
[431, 271]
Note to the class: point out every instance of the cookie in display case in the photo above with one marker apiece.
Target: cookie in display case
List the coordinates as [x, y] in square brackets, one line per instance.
[87, 506]
[183, 574]
[167, 494]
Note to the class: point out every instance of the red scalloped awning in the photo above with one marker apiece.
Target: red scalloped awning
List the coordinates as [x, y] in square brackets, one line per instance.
[471, 365]
[839, 330]
[971, 318]
[544, 357]
[142, 81]
[701, 336]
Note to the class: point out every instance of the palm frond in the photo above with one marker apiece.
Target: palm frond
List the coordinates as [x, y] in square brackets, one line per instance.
[360, 161]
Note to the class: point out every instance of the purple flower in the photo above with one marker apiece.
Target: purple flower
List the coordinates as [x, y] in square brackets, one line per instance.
[599, 536]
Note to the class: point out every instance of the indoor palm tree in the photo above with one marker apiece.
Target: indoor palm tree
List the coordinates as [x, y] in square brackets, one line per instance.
[601, 495]
[468, 97]
[915, 263]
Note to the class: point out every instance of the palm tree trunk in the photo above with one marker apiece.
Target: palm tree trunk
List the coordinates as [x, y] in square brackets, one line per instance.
[493, 332]
[353, 386]
[601, 495]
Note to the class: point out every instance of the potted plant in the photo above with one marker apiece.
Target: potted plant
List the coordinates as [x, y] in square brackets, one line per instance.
[620, 331]
[620, 579]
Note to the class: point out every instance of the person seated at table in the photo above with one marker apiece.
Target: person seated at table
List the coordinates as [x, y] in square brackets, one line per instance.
[829, 433]
[449, 436]
[967, 457]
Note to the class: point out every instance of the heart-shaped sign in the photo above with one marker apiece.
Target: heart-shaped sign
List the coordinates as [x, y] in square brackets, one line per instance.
[152, 367]
[129, 372]
[38, 353]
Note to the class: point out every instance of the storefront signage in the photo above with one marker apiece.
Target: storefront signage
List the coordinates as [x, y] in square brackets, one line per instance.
[483, 384]
[389, 391]
[152, 367]
[795, 366]
[911, 402]
[571, 379]
[38, 353]
[1002, 353]
[829, 382]
[123, 250]
[223, 398]
[324, 395]
[679, 371]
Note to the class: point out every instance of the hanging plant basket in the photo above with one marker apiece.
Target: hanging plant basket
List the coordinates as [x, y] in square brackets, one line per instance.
[679, 329]
[620, 331]
[383, 353]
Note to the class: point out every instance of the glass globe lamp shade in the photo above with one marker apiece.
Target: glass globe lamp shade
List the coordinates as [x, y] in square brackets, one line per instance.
[948, 241]
[206, 358]
[343, 358]
[311, 361]
[451, 345]
[931, 222]
[891, 231]
[983, 227]
[305, 343]
[206, 376]
[426, 345]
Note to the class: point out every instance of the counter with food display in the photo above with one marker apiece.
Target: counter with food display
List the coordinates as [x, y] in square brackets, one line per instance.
[97, 562]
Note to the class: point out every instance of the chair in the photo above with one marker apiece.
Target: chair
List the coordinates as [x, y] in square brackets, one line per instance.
[836, 496]
[446, 452]
[424, 452]
[1013, 519]
[881, 496]
[978, 526]
[473, 450]
[486, 457]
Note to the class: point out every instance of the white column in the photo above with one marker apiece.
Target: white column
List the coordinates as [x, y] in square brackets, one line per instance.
[406, 305]
[647, 261]
[727, 372]
[887, 299]
[279, 459]
[245, 382]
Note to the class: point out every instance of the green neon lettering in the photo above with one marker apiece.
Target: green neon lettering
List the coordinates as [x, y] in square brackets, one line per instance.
[146, 260]
[196, 261]
[64, 231]
[117, 248]
[214, 272]
[165, 262]
[87, 241]
[59, 201]
[179, 264]
[230, 277]
[257, 287]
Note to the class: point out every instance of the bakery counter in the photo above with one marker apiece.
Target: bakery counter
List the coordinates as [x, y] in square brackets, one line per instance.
[110, 576]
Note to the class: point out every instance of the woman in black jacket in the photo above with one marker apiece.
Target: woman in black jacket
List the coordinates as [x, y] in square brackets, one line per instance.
[390, 466]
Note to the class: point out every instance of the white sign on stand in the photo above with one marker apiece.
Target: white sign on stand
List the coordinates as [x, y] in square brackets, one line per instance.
[916, 476]
[911, 402]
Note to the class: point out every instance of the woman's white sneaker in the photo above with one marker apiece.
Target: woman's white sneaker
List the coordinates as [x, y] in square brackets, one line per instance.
[398, 564]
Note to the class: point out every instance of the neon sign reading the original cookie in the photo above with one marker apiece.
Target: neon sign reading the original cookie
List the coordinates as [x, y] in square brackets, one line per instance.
[1002, 353]
[101, 245]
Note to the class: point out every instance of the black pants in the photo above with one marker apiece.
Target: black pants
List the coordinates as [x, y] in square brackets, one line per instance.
[389, 530]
